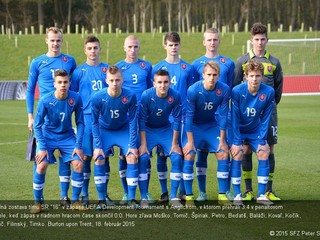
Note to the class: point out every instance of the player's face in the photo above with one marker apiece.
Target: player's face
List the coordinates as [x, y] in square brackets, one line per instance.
[92, 50]
[131, 48]
[210, 77]
[259, 42]
[211, 41]
[254, 79]
[162, 85]
[114, 81]
[54, 42]
[173, 48]
[62, 84]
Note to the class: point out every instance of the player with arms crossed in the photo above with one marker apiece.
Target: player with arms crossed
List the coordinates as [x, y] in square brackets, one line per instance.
[42, 73]
[137, 78]
[211, 41]
[157, 104]
[202, 131]
[251, 110]
[53, 130]
[273, 77]
[182, 77]
[87, 79]
[114, 123]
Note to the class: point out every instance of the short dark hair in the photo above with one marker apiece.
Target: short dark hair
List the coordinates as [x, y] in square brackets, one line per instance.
[254, 65]
[114, 70]
[172, 37]
[91, 38]
[162, 72]
[60, 72]
[259, 28]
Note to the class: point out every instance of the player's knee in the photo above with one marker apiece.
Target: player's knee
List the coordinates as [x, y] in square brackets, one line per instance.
[131, 159]
[77, 166]
[42, 168]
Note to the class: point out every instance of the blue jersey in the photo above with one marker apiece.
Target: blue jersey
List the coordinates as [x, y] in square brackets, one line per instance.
[137, 76]
[42, 72]
[54, 119]
[226, 68]
[88, 79]
[114, 113]
[181, 75]
[251, 114]
[202, 105]
[154, 112]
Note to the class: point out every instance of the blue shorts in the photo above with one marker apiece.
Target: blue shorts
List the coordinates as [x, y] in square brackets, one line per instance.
[251, 139]
[160, 137]
[64, 145]
[206, 137]
[118, 137]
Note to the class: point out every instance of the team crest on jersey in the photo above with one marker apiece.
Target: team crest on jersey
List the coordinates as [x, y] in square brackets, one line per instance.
[218, 92]
[269, 68]
[222, 60]
[104, 69]
[184, 66]
[170, 99]
[65, 59]
[124, 100]
[142, 65]
[262, 97]
[71, 101]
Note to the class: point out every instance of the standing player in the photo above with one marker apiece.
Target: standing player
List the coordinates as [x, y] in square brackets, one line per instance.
[203, 131]
[211, 41]
[273, 77]
[87, 79]
[252, 104]
[182, 76]
[114, 123]
[42, 73]
[157, 104]
[53, 130]
[137, 78]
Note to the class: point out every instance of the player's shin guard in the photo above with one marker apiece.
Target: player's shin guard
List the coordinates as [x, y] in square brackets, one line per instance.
[77, 183]
[247, 170]
[188, 175]
[223, 174]
[86, 177]
[271, 173]
[122, 173]
[132, 180]
[100, 181]
[107, 169]
[201, 169]
[162, 169]
[64, 175]
[143, 175]
[263, 172]
[38, 185]
[175, 174]
[235, 173]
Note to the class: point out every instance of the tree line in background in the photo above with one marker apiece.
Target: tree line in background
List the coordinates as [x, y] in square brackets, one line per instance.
[170, 15]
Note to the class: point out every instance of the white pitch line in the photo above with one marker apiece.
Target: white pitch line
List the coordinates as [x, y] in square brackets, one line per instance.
[17, 124]
[8, 143]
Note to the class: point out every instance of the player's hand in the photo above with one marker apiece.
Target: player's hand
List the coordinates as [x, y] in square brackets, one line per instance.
[98, 152]
[143, 149]
[223, 146]
[30, 122]
[41, 155]
[235, 150]
[79, 152]
[175, 148]
[188, 148]
[133, 151]
[263, 148]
